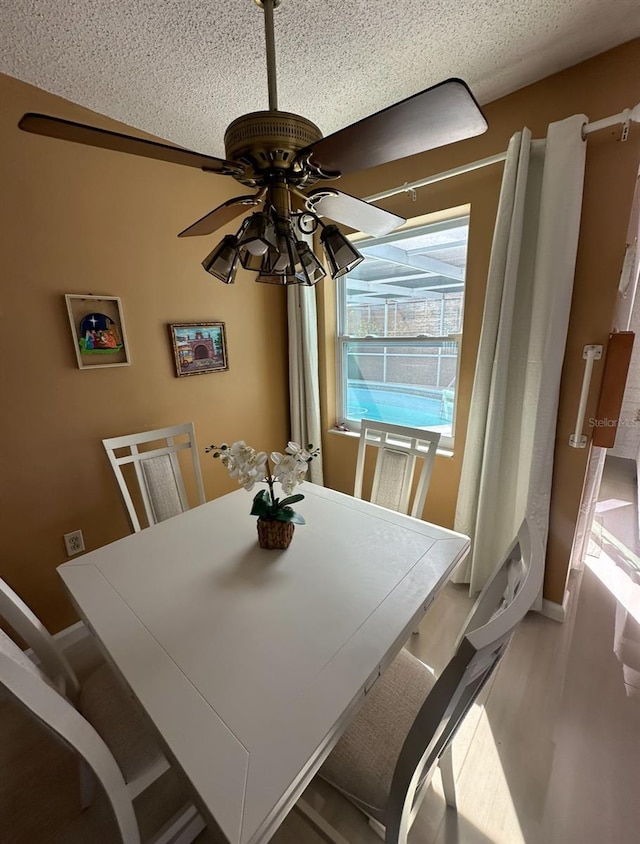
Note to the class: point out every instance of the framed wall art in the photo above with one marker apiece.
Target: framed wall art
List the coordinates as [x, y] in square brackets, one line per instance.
[97, 327]
[199, 347]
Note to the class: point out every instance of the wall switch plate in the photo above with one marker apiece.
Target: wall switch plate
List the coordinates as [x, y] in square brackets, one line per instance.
[74, 542]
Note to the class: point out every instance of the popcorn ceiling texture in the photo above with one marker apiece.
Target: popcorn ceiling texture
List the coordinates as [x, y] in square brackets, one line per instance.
[184, 69]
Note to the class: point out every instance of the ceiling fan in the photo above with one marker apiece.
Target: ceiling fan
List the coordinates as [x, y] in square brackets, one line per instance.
[281, 156]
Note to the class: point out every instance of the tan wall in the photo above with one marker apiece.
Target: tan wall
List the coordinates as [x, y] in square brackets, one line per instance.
[79, 220]
[600, 87]
[74, 219]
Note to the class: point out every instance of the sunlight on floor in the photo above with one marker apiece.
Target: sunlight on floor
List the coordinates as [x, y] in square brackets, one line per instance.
[616, 579]
[491, 808]
[611, 504]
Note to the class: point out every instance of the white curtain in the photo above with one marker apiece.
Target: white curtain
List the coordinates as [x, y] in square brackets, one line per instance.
[508, 459]
[304, 390]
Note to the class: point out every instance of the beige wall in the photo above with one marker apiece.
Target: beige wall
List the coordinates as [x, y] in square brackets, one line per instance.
[599, 87]
[79, 220]
[74, 219]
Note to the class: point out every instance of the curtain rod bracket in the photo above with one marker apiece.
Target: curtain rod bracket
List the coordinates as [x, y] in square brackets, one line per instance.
[625, 131]
[629, 115]
[411, 191]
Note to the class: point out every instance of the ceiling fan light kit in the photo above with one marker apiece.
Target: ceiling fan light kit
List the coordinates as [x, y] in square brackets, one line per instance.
[341, 253]
[311, 270]
[222, 262]
[257, 236]
[281, 155]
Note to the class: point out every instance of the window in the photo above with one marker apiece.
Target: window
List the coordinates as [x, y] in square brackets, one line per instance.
[400, 326]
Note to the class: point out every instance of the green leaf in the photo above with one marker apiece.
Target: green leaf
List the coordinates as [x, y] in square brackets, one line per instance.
[288, 515]
[260, 507]
[292, 499]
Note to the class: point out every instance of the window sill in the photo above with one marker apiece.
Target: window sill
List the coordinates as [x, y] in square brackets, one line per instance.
[440, 452]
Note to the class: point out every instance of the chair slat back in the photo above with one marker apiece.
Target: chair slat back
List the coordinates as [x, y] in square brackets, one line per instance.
[399, 449]
[55, 713]
[28, 626]
[392, 479]
[503, 603]
[157, 471]
[164, 487]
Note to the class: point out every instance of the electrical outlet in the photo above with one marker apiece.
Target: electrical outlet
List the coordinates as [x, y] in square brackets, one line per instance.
[74, 542]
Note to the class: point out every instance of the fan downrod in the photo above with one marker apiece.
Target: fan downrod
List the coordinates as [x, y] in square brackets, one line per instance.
[267, 7]
[266, 143]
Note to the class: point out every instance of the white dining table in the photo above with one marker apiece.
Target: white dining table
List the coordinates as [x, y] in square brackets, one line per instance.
[250, 663]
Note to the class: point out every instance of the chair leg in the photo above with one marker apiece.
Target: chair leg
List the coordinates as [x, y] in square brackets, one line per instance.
[87, 785]
[445, 763]
[321, 826]
[183, 828]
[378, 828]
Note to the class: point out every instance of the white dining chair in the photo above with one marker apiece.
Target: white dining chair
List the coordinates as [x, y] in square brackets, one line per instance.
[156, 468]
[165, 811]
[399, 449]
[101, 698]
[386, 759]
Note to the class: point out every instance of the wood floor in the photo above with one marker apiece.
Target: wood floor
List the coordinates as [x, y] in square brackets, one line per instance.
[552, 756]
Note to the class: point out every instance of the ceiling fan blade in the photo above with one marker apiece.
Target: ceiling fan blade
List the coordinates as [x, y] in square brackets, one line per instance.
[443, 114]
[79, 133]
[221, 215]
[353, 212]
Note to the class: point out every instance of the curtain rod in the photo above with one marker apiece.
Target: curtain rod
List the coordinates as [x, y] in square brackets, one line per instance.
[625, 117]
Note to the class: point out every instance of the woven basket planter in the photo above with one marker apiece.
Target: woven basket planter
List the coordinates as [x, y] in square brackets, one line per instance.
[274, 534]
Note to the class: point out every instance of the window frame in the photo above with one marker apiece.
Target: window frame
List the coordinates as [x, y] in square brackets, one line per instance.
[439, 220]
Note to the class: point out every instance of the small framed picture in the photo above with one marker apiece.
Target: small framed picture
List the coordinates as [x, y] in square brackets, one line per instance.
[97, 327]
[199, 347]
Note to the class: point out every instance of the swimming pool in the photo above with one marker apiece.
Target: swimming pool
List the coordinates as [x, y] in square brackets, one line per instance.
[395, 406]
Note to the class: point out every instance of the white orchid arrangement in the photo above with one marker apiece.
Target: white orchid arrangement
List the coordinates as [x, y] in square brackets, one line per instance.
[249, 467]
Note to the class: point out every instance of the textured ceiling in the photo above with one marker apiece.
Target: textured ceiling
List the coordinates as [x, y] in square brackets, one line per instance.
[183, 69]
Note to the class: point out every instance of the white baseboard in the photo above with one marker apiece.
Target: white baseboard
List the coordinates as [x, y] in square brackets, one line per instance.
[558, 612]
